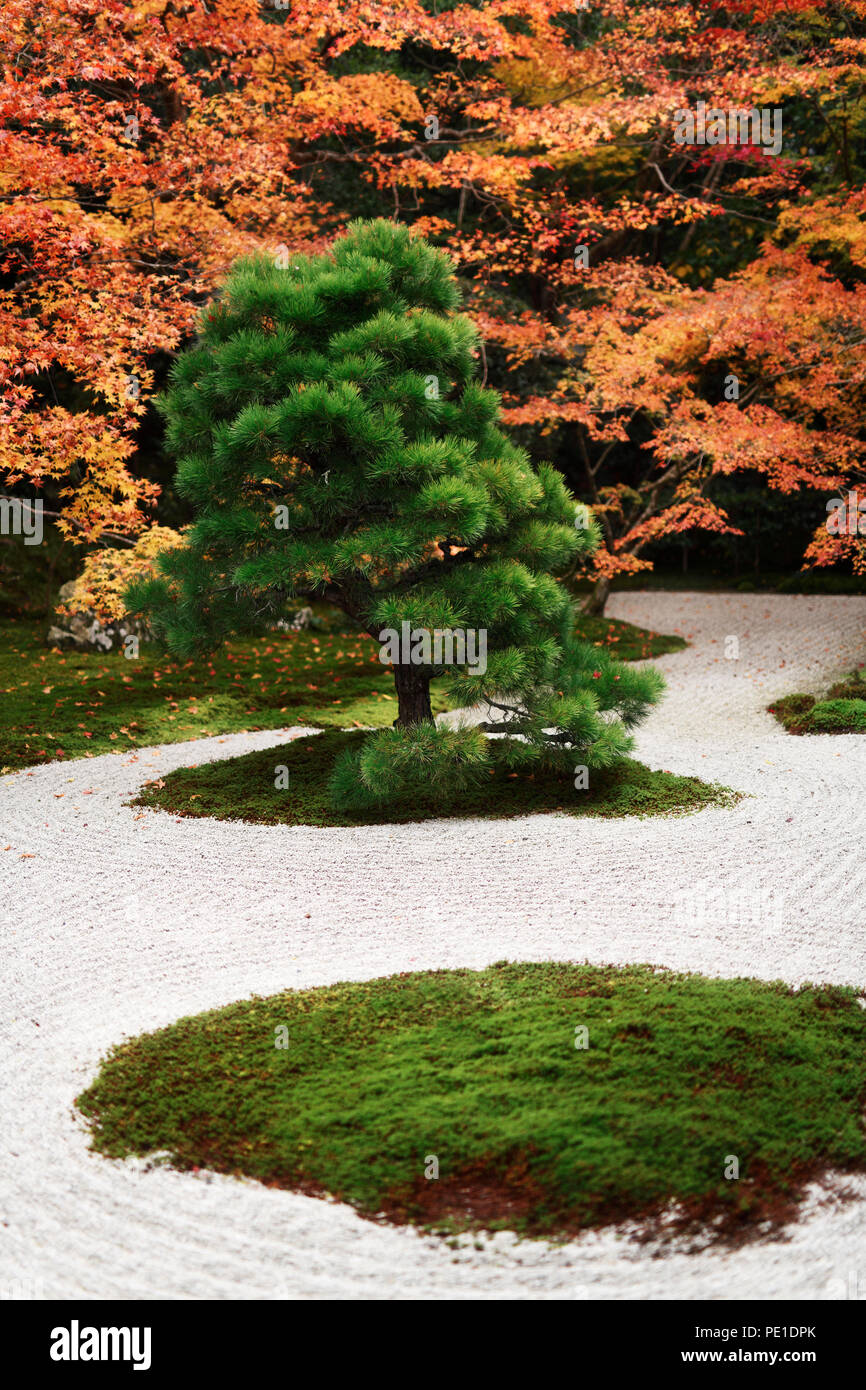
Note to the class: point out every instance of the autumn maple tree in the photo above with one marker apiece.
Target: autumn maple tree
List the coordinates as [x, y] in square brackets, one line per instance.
[619, 278]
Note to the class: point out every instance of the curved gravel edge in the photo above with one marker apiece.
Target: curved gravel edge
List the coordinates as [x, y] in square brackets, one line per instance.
[118, 920]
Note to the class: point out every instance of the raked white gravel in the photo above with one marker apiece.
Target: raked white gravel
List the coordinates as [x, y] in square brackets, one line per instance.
[117, 922]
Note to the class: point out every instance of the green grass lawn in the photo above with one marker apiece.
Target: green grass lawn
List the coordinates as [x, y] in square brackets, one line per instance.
[70, 705]
[244, 788]
[352, 1089]
[842, 711]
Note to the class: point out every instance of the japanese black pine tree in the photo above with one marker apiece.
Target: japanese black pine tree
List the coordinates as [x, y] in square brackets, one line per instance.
[337, 445]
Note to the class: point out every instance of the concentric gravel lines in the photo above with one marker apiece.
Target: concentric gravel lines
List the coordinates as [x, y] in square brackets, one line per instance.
[122, 921]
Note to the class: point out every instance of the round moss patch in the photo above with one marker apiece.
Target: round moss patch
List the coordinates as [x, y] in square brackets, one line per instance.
[542, 1098]
[290, 785]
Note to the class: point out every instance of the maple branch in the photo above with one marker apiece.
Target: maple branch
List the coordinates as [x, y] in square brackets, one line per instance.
[675, 472]
[596, 467]
[709, 185]
[606, 527]
[72, 521]
[842, 153]
[798, 368]
[664, 181]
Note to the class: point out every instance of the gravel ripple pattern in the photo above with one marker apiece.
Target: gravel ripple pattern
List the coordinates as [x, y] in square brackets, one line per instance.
[117, 921]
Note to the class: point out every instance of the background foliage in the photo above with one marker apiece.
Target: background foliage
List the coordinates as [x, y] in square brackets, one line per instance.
[146, 145]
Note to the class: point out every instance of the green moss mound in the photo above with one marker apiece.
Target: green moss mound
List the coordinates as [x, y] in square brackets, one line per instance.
[838, 716]
[842, 711]
[246, 788]
[354, 1090]
[625, 640]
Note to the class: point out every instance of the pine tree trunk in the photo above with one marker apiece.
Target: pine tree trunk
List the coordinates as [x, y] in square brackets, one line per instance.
[594, 605]
[413, 695]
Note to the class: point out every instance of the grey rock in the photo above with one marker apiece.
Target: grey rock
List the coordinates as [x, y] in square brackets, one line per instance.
[300, 620]
[83, 631]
